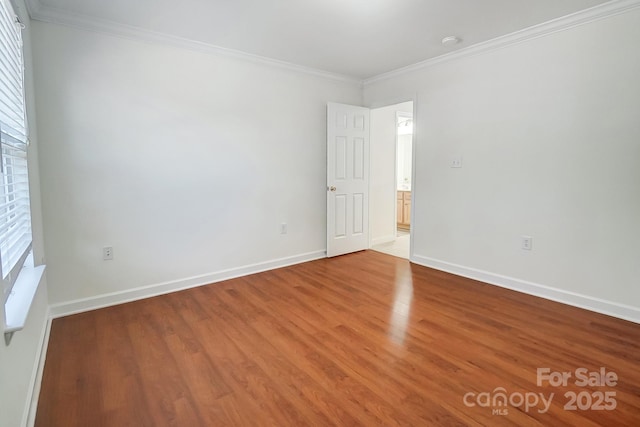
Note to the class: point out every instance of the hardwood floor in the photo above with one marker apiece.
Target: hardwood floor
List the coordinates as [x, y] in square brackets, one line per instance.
[363, 339]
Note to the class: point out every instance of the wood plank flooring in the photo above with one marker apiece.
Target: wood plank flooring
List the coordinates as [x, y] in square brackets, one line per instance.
[360, 340]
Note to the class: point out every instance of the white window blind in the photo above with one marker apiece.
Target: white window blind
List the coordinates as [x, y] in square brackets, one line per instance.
[15, 217]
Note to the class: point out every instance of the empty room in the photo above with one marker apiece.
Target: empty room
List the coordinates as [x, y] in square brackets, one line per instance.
[320, 213]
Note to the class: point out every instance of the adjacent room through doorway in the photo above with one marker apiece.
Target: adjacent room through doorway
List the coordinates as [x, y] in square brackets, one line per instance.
[391, 178]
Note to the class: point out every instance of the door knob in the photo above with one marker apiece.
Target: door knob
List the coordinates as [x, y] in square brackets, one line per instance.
[332, 188]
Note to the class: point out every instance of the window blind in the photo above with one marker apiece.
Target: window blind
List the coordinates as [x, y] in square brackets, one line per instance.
[15, 216]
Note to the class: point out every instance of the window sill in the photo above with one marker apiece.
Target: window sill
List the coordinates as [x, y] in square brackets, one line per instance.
[17, 307]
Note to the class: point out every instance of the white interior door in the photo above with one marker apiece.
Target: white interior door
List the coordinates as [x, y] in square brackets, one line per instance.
[347, 179]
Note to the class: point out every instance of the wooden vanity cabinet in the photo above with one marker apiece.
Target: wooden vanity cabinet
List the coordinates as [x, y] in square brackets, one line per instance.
[403, 204]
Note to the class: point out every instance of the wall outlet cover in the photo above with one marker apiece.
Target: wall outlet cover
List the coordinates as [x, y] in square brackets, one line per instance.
[107, 253]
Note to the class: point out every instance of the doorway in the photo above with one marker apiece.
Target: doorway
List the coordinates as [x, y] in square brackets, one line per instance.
[391, 178]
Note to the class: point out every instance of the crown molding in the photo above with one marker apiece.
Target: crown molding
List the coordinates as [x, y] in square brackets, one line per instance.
[605, 10]
[43, 13]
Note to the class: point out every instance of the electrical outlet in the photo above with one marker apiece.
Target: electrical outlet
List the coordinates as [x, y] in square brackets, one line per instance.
[456, 162]
[527, 243]
[283, 228]
[107, 253]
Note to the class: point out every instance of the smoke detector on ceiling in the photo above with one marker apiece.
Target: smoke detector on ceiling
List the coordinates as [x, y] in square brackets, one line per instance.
[451, 41]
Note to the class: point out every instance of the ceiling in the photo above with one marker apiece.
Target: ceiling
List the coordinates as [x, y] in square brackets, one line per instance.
[355, 38]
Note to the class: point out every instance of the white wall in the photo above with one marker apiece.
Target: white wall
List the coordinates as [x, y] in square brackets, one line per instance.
[19, 360]
[549, 132]
[404, 162]
[185, 163]
[382, 195]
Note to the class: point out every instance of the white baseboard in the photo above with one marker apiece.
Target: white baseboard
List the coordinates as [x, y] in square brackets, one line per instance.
[120, 297]
[36, 376]
[598, 305]
[383, 239]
